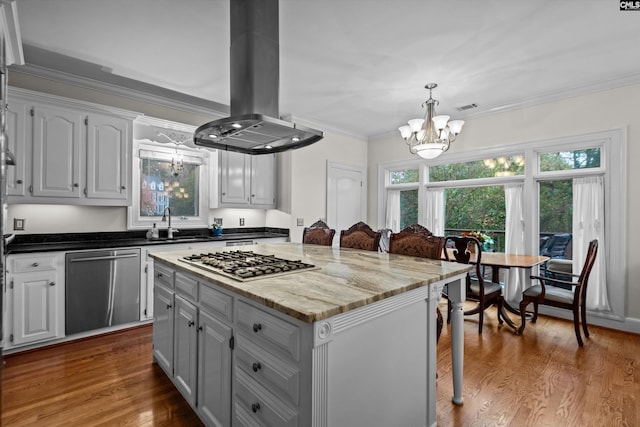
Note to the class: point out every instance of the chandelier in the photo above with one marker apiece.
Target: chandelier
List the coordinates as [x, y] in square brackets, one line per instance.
[431, 136]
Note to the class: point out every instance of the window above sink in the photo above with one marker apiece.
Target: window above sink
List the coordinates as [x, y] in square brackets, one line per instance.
[167, 173]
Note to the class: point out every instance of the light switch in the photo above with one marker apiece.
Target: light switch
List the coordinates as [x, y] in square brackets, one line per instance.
[241, 222]
[300, 222]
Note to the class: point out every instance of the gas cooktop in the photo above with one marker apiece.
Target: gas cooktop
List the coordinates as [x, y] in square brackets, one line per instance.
[245, 265]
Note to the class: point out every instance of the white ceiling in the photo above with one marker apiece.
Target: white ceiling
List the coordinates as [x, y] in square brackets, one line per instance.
[359, 66]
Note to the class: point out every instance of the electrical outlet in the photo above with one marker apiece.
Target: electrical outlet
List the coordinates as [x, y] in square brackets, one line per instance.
[241, 222]
[18, 224]
[218, 221]
[300, 222]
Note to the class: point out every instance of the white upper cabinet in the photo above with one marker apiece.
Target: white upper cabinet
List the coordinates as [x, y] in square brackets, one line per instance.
[263, 180]
[247, 181]
[68, 152]
[57, 142]
[107, 158]
[16, 127]
[235, 178]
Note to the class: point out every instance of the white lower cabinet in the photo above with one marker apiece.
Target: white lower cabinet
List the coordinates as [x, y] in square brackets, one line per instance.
[185, 357]
[214, 371]
[192, 341]
[35, 298]
[235, 363]
[163, 328]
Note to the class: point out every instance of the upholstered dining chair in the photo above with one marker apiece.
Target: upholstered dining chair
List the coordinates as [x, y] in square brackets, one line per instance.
[318, 233]
[415, 240]
[486, 293]
[360, 236]
[553, 292]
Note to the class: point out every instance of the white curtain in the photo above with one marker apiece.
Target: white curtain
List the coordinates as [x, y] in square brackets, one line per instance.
[392, 213]
[588, 224]
[434, 211]
[514, 240]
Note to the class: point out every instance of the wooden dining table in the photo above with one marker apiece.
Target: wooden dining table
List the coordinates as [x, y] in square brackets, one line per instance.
[498, 260]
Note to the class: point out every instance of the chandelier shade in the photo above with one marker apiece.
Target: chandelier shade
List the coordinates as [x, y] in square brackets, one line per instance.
[433, 135]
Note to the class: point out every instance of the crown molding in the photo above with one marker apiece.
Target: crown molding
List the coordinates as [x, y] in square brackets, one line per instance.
[130, 89]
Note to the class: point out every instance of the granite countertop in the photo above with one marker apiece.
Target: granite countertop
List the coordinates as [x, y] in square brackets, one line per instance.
[344, 279]
[26, 243]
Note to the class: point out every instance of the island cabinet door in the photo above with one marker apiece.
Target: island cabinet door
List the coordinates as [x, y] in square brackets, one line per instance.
[185, 356]
[163, 329]
[214, 371]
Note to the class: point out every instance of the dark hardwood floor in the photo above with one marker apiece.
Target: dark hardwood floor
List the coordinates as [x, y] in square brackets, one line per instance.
[540, 379]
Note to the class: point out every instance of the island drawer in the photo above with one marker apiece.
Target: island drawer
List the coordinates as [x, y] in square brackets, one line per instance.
[254, 404]
[274, 373]
[163, 275]
[216, 303]
[186, 286]
[267, 328]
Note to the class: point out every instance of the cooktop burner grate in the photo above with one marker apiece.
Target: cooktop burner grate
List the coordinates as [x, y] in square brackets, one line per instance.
[245, 265]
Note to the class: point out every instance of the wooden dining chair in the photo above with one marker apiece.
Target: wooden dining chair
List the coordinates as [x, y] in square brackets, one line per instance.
[415, 240]
[360, 236]
[550, 291]
[484, 292]
[318, 233]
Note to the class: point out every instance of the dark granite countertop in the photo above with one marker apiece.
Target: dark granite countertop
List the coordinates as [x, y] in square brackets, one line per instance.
[25, 243]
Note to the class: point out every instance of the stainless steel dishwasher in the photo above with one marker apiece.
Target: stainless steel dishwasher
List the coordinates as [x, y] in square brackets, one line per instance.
[102, 289]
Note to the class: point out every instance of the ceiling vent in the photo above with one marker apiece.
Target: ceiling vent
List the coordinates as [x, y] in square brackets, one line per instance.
[467, 107]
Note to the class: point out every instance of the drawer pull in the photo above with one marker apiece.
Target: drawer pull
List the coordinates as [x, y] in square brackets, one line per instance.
[35, 264]
[191, 323]
[256, 366]
[255, 407]
[52, 283]
[257, 327]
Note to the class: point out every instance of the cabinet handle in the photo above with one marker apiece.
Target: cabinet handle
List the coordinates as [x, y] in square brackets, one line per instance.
[169, 306]
[256, 366]
[191, 323]
[76, 185]
[122, 187]
[255, 407]
[158, 274]
[253, 195]
[257, 327]
[18, 181]
[35, 264]
[200, 328]
[52, 283]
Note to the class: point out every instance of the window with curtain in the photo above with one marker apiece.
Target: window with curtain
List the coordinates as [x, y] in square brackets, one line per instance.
[402, 197]
[548, 173]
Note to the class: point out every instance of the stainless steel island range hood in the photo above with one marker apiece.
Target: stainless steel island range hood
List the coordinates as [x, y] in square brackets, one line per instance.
[254, 126]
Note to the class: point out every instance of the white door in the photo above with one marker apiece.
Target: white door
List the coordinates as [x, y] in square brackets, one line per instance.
[346, 196]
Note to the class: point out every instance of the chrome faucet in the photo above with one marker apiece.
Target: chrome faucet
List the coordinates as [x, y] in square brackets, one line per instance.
[170, 230]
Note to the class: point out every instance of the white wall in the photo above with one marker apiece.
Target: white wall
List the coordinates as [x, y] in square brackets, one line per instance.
[308, 176]
[606, 110]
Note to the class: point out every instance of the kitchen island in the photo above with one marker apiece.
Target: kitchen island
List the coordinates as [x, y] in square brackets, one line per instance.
[349, 341]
